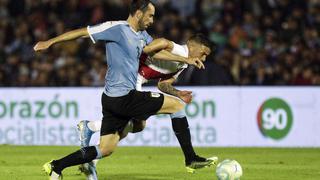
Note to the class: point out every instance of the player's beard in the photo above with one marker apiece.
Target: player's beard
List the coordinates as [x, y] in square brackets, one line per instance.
[142, 26]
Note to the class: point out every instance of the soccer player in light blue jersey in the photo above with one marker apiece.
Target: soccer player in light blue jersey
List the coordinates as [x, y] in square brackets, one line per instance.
[166, 72]
[121, 102]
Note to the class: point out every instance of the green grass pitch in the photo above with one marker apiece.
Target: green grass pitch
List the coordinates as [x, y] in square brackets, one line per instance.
[162, 163]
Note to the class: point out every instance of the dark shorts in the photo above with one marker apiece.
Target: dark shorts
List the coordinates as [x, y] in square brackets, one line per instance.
[117, 111]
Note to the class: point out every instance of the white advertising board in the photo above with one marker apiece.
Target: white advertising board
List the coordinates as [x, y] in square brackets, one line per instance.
[218, 116]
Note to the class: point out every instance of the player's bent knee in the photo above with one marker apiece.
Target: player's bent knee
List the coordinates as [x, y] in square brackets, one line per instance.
[177, 107]
[171, 105]
[180, 106]
[108, 144]
[106, 151]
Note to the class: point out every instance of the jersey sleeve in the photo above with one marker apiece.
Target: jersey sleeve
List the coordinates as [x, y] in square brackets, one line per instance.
[108, 31]
[148, 39]
[178, 49]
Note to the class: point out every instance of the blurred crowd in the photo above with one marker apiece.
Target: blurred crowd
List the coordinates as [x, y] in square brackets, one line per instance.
[262, 42]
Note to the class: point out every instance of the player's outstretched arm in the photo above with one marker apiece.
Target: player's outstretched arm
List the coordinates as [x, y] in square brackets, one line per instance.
[167, 87]
[157, 45]
[74, 34]
[168, 56]
[160, 49]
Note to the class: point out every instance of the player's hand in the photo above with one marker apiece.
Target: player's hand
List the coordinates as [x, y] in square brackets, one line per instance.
[196, 62]
[42, 45]
[185, 96]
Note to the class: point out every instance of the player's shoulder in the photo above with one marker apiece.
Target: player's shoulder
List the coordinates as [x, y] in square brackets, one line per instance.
[180, 46]
[145, 33]
[146, 36]
[114, 24]
[121, 22]
[180, 49]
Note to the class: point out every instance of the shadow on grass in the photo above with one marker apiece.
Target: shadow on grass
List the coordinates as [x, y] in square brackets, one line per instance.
[136, 176]
[129, 176]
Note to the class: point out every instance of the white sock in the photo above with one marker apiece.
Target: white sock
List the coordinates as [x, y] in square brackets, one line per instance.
[94, 126]
[54, 176]
[95, 162]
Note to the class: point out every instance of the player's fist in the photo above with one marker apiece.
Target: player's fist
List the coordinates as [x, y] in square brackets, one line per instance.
[42, 45]
[196, 62]
[185, 96]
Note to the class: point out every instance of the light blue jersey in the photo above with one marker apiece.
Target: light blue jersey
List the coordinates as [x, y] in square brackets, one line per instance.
[123, 49]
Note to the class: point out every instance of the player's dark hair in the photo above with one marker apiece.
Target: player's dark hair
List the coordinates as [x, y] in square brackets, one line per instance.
[139, 5]
[202, 39]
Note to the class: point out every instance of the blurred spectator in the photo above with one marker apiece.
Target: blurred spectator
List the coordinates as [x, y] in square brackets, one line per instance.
[266, 42]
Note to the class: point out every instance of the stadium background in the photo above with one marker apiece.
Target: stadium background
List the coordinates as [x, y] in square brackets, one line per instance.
[265, 68]
[266, 42]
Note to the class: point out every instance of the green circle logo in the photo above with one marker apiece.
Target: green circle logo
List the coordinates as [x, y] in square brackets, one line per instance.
[275, 118]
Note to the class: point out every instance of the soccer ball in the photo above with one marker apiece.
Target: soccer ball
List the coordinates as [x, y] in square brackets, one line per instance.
[229, 169]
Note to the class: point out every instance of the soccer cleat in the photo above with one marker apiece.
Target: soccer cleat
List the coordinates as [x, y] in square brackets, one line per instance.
[84, 132]
[89, 169]
[84, 168]
[48, 169]
[93, 172]
[200, 162]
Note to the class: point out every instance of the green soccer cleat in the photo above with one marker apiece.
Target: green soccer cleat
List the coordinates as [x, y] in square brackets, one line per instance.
[200, 162]
[48, 169]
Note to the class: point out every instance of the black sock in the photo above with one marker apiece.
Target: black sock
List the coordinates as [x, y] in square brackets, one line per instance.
[181, 129]
[84, 155]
